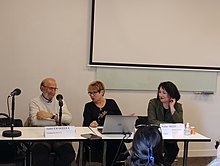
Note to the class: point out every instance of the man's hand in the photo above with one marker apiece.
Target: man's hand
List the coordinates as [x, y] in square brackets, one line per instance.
[43, 115]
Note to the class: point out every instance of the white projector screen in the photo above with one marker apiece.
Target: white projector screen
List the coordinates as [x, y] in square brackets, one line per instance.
[183, 34]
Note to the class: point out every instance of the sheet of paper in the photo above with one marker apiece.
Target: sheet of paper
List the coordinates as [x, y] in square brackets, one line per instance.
[59, 131]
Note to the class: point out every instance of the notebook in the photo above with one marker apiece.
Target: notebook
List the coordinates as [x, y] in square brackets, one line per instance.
[118, 124]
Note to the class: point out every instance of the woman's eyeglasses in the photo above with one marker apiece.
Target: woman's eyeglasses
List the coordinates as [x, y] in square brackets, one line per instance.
[93, 93]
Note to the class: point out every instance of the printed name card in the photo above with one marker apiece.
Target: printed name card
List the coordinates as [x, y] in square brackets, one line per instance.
[59, 131]
[170, 130]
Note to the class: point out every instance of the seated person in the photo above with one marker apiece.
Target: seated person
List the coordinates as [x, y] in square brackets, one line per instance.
[94, 116]
[146, 148]
[216, 161]
[166, 109]
[43, 111]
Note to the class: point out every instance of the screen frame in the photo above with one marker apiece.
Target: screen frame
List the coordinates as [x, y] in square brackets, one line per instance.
[93, 62]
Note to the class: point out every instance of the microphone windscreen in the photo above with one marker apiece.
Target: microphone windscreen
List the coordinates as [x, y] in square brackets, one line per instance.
[15, 92]
[59, 97]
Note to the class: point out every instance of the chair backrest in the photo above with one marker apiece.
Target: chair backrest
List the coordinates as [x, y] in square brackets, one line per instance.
[18, 123]
[5, 121]
[141, 121]
[27, 123]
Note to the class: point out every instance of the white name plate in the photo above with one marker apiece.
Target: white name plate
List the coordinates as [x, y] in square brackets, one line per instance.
[59, 131]
[172, 129]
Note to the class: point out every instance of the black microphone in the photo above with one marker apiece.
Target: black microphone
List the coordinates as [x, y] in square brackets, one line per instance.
[12, 132]
[15, 92]
[60, 98]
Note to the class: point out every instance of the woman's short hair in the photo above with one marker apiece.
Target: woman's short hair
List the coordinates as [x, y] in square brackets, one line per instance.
[96, 86]
[170, 88]
[147, 141]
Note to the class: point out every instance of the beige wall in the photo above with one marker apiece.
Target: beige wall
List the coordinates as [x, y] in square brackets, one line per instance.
[51, 38]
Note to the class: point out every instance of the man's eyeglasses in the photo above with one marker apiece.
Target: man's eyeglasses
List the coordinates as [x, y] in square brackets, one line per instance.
[93, 93]
[50, 88]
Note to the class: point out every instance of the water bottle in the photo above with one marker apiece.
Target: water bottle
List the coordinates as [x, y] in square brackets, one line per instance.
[187, 130]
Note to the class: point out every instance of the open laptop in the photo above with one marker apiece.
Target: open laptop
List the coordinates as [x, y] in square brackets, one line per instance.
[118, 124]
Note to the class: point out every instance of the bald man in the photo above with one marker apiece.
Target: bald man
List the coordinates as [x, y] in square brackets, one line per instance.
[44, 111]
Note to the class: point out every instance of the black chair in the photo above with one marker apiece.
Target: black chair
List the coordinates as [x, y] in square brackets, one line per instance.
[141, 121]
[89, 154]
[11, 152]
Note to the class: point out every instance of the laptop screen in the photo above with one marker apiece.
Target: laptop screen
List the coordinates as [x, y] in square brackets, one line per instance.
[118, 124]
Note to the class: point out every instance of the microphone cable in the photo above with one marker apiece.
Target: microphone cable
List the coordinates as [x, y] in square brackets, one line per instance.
[8, 106]
[119, 148]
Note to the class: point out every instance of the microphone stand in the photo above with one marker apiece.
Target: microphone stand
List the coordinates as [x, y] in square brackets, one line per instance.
[60, 112]
[12, 132]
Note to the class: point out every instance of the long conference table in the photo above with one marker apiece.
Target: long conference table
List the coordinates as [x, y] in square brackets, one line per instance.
[33, 134]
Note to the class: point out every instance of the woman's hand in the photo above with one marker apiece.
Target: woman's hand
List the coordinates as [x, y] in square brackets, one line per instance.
[94, 124]
[172, 102]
